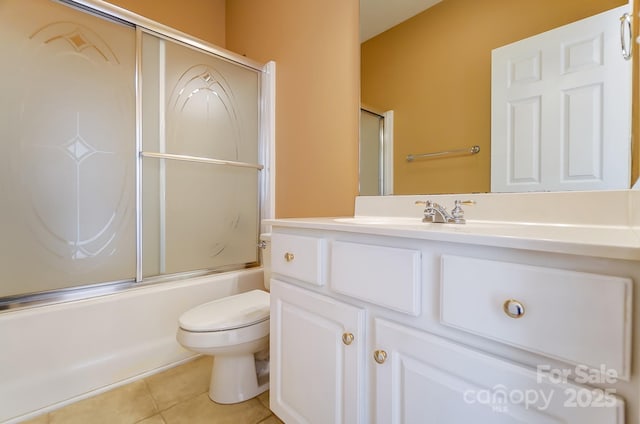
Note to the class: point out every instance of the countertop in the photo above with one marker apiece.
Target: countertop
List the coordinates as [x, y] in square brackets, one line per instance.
[605, 241]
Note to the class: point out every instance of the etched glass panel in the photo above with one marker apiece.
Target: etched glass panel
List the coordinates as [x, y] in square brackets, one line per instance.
[67, 148]
[198, 216]
[210, 217]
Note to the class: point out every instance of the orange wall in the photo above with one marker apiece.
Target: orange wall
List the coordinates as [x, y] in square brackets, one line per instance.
[316, 49]
[434, 71]
[204, 19]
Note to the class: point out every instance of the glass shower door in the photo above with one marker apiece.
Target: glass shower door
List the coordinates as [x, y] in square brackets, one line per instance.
[67, 148]
[200, 168]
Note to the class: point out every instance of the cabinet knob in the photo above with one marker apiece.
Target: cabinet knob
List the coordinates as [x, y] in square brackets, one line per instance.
[513, 308]
[380, 356]
[347, 338]
[288, 256]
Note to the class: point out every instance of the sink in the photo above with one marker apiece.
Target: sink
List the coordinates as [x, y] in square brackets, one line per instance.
[392, 220]
[485, 225]
[503, 229]
[380, 220]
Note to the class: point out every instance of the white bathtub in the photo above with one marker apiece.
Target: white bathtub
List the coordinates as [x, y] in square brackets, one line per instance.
[54, 355]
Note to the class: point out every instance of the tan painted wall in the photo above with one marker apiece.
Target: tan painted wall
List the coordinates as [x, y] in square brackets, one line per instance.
[204, 19]
[448, 50]
[316, 49]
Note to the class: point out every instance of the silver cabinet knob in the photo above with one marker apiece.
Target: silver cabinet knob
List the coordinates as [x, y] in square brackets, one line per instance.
[513, 308]
[380, 356]
[347, 338]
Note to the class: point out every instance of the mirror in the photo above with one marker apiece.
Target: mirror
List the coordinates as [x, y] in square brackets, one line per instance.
[440, 60]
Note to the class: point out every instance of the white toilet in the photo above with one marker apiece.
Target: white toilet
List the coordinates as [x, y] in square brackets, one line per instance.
[235, 330]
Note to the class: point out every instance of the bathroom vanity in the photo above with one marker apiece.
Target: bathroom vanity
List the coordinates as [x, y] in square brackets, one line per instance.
[525, 313]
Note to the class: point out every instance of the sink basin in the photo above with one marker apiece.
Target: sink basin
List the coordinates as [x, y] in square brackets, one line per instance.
[390, 220]
[380, 220]
[484, 225]
[470, 227]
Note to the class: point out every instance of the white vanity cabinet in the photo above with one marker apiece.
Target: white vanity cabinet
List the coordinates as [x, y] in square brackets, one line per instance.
[385, 329]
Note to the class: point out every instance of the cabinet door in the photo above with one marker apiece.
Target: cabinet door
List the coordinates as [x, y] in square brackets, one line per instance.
[317, 348]
[426, 379]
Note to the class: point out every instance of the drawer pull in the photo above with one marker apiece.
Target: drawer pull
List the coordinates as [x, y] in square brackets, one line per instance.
[513, 308]
[288, 256]
[380, 356]
[347, 338]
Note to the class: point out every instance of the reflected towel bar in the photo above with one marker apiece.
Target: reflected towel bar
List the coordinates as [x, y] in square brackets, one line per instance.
[201, 160]
[472, 151]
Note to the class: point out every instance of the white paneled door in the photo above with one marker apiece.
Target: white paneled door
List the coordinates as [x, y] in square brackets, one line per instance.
[561, 109]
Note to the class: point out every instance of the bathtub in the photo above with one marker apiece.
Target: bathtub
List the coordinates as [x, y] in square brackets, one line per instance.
[54, 355]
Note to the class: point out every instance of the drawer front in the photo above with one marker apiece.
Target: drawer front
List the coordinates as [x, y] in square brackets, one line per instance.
[385, 276]
[577, 317]
[299, 257]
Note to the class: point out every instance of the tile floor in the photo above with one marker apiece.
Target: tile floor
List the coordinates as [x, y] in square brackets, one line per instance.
[175, 396]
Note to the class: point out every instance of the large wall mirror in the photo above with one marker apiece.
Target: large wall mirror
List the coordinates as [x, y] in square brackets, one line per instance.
[433, 71]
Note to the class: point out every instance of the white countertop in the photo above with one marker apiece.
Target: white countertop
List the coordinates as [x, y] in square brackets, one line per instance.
[617, 242]
[593, 233]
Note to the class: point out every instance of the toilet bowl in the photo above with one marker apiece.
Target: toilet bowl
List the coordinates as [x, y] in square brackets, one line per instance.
[235, 330]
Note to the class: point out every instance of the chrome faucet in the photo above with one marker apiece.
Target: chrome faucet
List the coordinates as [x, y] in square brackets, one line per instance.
[436, 213]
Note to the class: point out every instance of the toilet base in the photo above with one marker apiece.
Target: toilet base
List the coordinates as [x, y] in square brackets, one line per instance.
[234, 378]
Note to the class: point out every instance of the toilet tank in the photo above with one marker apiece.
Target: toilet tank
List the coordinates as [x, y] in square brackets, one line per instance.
[266, 258]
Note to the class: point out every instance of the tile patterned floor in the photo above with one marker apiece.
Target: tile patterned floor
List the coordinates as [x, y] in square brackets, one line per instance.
[175, 396]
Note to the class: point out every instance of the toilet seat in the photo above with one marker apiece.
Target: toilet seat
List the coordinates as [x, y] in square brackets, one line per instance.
[220, 342]
[228, 313]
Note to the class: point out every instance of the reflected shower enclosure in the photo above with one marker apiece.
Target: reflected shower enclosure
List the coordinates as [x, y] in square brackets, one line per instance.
[375, 164]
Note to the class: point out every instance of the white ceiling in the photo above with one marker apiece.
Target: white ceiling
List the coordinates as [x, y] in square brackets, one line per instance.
[377, 16]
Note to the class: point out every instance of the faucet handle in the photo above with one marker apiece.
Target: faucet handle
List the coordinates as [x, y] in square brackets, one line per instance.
[457, 213]
[428, 204]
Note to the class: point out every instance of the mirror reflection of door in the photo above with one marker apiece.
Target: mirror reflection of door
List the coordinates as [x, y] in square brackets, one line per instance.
[561, 109]
[376, 153]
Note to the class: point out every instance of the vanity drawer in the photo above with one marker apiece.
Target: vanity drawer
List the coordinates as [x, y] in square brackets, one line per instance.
[576, 317]
[299, 257]
[385, 276]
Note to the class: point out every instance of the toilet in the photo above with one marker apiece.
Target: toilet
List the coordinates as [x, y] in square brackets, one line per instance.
[235, 330]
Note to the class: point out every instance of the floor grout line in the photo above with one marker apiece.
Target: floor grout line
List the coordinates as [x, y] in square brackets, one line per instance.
[153, 399]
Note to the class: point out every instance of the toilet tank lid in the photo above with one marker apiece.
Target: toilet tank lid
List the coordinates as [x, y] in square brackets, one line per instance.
[227, 313]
